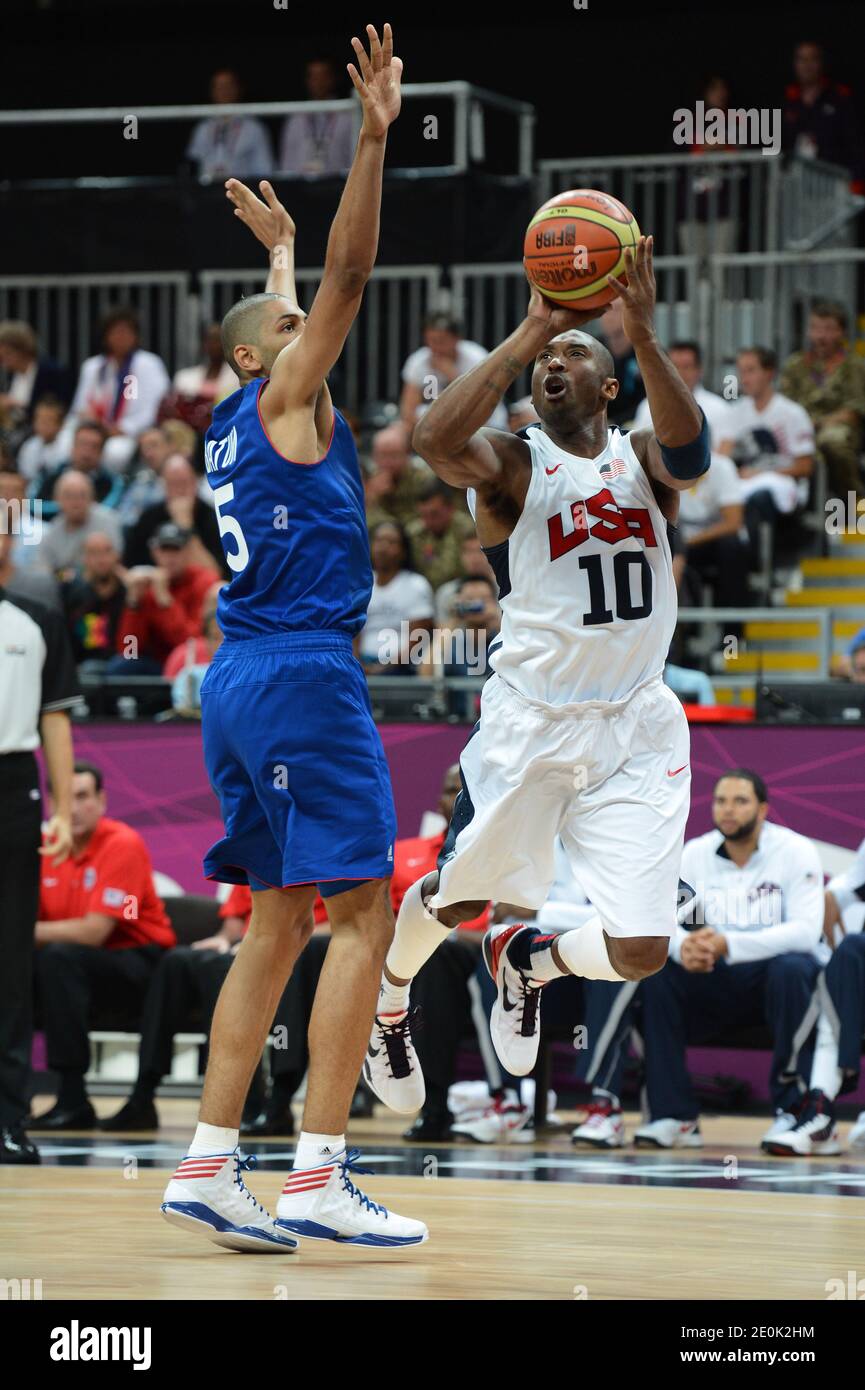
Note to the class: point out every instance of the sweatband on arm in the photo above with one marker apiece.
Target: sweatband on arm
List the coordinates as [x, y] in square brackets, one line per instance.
[685, 461]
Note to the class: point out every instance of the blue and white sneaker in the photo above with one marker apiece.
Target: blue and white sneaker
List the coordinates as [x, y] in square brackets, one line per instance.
[207, 1194]
[322, 1203]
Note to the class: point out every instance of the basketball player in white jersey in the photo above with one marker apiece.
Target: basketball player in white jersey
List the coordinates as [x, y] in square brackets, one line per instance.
[578, 735]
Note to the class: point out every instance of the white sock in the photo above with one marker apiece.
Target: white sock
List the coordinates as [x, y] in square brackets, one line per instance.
[543, 967]
[211, 1139]
[315, 1149]
[417, 936]
[392, 999]
[584, 952]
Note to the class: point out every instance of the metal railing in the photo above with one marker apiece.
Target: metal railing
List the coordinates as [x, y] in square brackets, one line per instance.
[65, 311]
[470, 105]
[763, 297]
[746, 299]
[703, 204]
[491, 300]
[388, 327]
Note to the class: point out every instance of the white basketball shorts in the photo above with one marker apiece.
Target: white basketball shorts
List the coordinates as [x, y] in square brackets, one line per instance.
[611, 779]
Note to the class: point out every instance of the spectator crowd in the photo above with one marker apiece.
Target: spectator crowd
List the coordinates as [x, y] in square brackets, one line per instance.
[129, 549]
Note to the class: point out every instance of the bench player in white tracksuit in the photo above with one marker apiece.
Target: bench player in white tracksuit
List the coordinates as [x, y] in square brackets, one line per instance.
[578, 735]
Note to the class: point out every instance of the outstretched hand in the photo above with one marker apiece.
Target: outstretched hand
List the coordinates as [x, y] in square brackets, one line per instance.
[637, 292]
[267, 220]
[378, 82]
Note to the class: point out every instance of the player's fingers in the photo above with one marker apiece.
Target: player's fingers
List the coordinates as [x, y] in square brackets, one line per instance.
[356, 79]
[650, 254]
[363, 60]
[269, 196]
[374, 47]
[616, 285]
[387, 44]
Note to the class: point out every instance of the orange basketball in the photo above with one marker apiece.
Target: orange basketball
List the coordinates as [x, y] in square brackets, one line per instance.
[574, 242]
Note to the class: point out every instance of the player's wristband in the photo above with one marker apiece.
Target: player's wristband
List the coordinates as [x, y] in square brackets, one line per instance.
[685, 461]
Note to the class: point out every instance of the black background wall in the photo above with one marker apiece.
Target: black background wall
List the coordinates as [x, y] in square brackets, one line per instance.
[606, 79]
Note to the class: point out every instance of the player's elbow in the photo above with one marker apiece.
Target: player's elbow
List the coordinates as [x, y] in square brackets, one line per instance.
[427, 440]
[349, 280]
[686, 462]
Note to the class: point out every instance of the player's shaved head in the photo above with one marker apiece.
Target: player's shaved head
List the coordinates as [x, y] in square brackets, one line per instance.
[242, 324]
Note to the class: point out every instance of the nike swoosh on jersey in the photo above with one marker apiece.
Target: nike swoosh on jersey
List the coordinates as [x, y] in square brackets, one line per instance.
[677, 770]
[550, 471]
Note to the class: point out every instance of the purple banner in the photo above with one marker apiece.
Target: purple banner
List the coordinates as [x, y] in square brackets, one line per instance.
[155, 780]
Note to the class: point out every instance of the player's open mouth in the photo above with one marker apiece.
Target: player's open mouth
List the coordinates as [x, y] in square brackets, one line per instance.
[554, 385]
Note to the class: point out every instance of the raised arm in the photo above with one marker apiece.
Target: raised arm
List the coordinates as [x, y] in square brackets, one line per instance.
[452, 437]
[676, 451]
[274, 228]
[301, 367]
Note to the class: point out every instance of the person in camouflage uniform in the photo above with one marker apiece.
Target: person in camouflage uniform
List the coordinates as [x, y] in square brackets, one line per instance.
[437, 534]
[829, 381]
[397, 479]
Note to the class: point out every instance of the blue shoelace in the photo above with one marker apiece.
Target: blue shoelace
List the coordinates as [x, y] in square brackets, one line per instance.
[348, 1165]
[243, 1165]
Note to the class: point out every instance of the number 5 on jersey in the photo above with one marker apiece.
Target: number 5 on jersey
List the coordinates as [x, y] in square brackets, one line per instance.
[238, 559]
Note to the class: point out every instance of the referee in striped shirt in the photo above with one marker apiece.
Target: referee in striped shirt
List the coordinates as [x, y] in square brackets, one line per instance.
[38, 685]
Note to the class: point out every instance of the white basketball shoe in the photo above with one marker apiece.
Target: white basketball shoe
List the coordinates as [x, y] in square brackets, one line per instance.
[501, 1122]
[783, 1122]
[322, 1203]
[207, 1194]
[603, 1127]
[856, 1137]
[669, 1134]
[515, 1021]
[391, 1069]
[813, 1133]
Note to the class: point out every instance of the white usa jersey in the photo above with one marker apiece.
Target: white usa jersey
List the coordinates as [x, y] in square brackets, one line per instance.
[585, 579]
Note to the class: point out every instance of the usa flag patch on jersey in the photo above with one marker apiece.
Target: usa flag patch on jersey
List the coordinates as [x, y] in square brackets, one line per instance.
[612, 468]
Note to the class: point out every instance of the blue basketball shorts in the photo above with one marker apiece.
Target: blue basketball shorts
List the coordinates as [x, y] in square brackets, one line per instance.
[294, 756]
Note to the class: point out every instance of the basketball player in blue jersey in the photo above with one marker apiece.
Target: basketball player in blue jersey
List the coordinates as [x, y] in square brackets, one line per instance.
[291, 748]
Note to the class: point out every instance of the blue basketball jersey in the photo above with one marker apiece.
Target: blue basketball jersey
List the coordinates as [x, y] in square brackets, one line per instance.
[294, 534]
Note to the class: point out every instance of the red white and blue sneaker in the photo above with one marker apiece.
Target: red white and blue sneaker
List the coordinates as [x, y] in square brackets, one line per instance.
[516, 1014]
[813, 1133]
[322, 1203]
[207, 1194]
[391, 1068]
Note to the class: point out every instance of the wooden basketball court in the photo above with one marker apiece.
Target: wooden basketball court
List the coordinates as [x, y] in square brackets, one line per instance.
[541, 1221]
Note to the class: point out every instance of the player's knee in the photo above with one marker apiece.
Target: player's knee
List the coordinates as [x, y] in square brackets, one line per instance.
[456, 913]
[366, 910]
[634, 958]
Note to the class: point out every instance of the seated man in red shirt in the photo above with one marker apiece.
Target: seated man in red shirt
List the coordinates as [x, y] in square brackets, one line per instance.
[101, 931]
[163, 604]
[186, 986]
